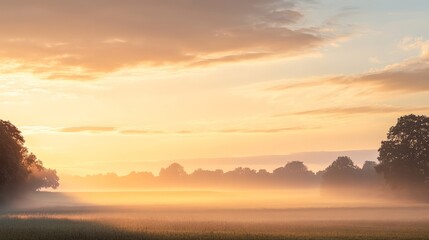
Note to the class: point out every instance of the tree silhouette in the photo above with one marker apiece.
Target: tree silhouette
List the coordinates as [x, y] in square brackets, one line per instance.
[294, 167]
[368, 167]
[20, 170]
[342, 172]
[404, 156]
[175, 170]
[295, 173]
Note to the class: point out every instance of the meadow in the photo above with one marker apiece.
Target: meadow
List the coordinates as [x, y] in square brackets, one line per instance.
[206, 215]
[51, 228]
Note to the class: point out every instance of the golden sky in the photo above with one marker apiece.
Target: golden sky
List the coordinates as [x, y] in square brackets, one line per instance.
[97, 86]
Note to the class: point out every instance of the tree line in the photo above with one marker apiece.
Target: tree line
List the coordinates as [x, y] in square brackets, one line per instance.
[403, 165]
[341, 173]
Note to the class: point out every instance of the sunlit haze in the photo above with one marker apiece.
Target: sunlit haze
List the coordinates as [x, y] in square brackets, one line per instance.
[135, 85]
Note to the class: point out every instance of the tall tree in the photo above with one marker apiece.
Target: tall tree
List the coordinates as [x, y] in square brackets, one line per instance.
[175, 170]
[404, 156]
[341, 173]
[20, 170]
[295, 174]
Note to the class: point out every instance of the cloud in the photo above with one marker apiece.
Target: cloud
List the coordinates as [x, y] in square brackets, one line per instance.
[140, 132]
[338, 111]
[264, 130]
[228, 130]
[408, 76]
[409, 43]
[289, 86]
[82, 40]
[115, 130]
[87, 129]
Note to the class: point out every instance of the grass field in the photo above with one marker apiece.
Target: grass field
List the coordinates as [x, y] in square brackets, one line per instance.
[50, 228]
[207, 221]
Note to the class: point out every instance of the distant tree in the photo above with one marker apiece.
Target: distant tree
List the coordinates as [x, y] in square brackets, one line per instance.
[369, 167]
[295, 168]
[241, 174]
[294, 173]
[20, 170]
[175, 170]
[342, 172]
[263, 174]
[320, 174]
[370, 176]
[206, 178]
[368, 170]
[404, 156]
[207, 174]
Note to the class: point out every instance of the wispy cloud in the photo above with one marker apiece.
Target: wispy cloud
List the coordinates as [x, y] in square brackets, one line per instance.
[289, 86]
[263, 130]
[82, 40]
[220, 131]
[140, 132]
[127, 131]
[408, 76]
[90, 129]
[357, 110]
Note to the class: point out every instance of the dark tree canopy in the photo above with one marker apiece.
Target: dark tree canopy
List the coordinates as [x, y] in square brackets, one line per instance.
[296, 173]
[404, 156]
[342, 172]
[20, 170]
[294, 168]
[175, 170]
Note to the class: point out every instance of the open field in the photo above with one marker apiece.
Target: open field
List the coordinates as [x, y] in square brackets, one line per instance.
[51, 228]
[198, 219]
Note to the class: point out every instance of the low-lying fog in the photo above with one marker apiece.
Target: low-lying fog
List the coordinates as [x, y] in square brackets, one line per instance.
[227, 206]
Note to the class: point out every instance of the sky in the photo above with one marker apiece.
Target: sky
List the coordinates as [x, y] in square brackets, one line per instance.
[118, 86]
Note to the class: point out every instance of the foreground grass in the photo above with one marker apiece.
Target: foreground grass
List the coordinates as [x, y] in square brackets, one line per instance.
[49, 228]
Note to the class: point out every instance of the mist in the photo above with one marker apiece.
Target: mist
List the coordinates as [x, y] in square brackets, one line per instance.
[292, 175]
[289, 200]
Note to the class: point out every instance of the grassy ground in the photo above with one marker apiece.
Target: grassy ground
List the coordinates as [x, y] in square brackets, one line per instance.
[71, 217]
[49, 228]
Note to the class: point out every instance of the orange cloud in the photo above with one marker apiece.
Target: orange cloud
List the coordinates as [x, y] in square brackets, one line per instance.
[264, 130]
[229, 130]
[409, 76]
[81, 40]
[87, 129]
[393, 80]
[283, 87]
[359, 110]
[95, 129]
[140, 132]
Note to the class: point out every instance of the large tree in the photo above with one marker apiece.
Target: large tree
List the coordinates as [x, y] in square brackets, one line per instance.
[20, 170]
[295, 173]
[341, 173]
[404, 156]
